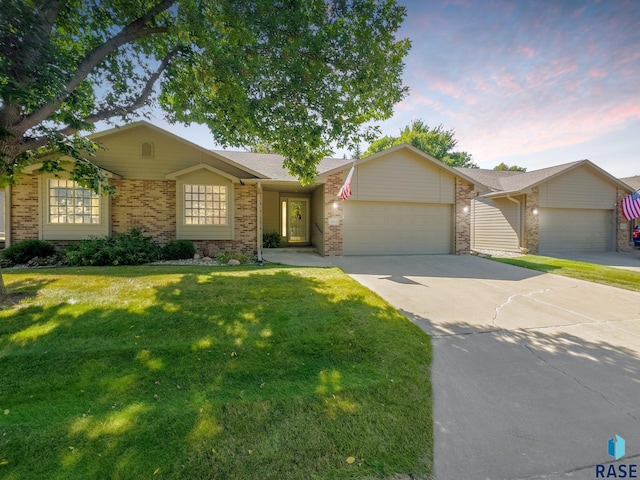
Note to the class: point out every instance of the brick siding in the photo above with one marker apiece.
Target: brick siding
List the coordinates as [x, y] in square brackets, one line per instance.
[622, 234]
[24, 209]
[245, 225]
[146, 204]
[333, 245]
[463, 219]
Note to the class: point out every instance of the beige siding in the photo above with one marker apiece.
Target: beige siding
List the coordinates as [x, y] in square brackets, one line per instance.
[122, 155]
[496, 224]
[69, 231]
[317, 219]
[575, 230]
[387, 228]
[270, 212]
[402, 176]
[203, 232]
[578, 188]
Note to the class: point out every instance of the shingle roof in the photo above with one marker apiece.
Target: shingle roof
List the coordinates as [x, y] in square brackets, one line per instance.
[270, 165]
[633, 182]
[508, 181]
[489, 178]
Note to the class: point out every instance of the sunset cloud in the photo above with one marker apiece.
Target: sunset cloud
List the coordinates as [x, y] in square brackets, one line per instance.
[514, 78]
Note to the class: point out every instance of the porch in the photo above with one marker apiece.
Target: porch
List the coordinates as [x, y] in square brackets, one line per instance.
[295, 214]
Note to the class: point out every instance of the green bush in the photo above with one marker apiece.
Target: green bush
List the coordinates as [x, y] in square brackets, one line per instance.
[131, 248]
[25, 250]
[223, 258]
[178, 250]
[271, 240]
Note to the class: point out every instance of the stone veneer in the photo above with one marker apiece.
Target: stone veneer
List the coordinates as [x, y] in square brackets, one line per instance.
[463, 219]
[622, 234]
[531, 221]
[333, 234]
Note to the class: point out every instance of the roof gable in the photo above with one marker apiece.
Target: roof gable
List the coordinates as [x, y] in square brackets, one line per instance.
[405, 146]
[506, 183]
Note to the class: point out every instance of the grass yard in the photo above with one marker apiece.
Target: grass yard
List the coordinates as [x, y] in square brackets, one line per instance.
[615, 277]
[202, 373]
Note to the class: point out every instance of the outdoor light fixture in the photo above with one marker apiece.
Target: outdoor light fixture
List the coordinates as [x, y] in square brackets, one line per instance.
[535, 211]
[465, 209]
[335, 205]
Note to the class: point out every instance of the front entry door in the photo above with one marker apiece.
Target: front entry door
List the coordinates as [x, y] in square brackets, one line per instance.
[295, 215]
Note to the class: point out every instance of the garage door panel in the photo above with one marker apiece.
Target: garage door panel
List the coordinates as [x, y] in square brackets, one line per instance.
[564, 229]
[386, 228]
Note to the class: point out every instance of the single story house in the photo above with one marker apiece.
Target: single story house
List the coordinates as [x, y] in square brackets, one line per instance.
[404, 201]
[570, 207]
[634, 183]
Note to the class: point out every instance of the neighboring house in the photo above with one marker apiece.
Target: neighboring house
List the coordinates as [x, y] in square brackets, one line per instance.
[633, 182]
[571, 207]
[403, 202]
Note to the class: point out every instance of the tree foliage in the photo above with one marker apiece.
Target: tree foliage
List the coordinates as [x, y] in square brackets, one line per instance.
[297, 75]
[509, 168]
[436, 141]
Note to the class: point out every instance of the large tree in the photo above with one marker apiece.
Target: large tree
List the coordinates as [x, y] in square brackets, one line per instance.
[297, 75]
[436, 141]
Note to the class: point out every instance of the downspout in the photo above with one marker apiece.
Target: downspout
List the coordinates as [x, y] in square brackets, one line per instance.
[520, 222]
[259, 222]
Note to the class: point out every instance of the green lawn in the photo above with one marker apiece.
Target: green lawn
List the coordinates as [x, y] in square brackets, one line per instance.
[615, 277]
[203, 373]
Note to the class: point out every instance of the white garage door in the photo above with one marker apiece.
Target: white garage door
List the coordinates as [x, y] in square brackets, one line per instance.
[386, 228]
[570, 229]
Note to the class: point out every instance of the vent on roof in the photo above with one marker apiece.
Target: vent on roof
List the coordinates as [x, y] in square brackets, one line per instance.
[146, 149]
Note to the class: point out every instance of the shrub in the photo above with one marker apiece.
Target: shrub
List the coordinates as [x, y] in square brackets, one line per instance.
[223, 258]
[131, 248]
[25, 250]
[271, 240]
[178, 250]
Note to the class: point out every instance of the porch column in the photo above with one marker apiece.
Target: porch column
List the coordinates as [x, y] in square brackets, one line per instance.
[259, 221]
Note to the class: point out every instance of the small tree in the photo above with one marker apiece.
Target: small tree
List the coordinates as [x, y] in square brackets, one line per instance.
[437, 142]
[506, 168]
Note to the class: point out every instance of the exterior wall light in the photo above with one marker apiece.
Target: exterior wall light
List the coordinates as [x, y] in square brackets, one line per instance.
[535, 211]
[465, 209]
[335, 205]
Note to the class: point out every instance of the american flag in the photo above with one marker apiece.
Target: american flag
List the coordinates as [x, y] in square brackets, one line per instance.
[345, 190]
[631, 206]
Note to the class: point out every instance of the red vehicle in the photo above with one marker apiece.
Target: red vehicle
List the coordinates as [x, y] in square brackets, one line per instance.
[636, 237]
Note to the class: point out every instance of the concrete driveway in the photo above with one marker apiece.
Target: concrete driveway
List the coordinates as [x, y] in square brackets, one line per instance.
[532, 373]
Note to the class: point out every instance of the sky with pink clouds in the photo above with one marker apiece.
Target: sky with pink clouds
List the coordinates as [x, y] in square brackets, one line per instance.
[532, 83]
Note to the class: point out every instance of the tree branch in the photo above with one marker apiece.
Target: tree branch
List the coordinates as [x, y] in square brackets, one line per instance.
[133, 31]
[106, 113]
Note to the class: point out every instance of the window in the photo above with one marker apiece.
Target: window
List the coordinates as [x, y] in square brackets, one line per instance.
[205, 205]
[71, 203]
